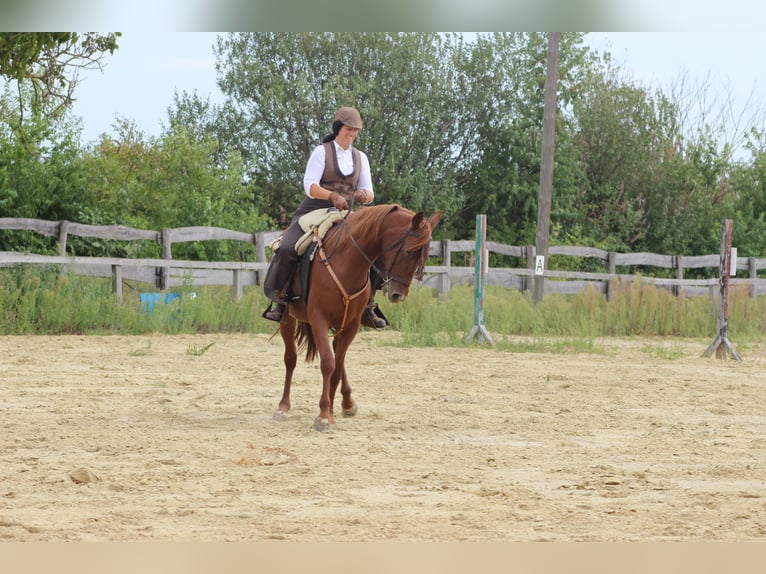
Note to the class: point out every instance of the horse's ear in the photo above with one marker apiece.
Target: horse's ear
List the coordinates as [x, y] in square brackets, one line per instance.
[417, 220]
[435, 218]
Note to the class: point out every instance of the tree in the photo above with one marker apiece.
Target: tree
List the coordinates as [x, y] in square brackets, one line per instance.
[170, 181]
[41, 173]
[51, 63]
[507, 75]
[284, 89]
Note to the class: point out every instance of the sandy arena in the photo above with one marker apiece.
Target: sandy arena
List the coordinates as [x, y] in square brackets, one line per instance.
[171, 438]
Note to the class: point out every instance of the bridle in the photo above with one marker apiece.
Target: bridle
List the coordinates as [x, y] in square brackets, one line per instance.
[387, 276]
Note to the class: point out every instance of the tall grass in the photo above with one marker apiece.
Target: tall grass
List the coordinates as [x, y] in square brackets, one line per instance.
[45, 301]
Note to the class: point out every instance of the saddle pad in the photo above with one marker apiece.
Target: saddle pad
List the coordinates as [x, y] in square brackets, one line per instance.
[322, 220]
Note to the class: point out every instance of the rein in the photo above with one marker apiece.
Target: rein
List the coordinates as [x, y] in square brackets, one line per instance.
[386, 275]
[346, 297]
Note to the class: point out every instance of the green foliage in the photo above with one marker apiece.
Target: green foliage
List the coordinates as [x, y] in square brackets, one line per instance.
[53, 301]
[51, 62]
[507, 73]
[42, 175]
[449, 124]
[49, 301]
[173, 181]
[286, 87]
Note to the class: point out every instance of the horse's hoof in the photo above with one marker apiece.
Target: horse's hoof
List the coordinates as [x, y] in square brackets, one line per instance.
[279, 416]
[322, 425]
[351, 412]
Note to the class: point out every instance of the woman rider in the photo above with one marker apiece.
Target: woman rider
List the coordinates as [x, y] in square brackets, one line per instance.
[336, 174]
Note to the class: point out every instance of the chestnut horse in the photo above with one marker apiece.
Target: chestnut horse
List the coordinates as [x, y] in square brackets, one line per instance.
[396, 241]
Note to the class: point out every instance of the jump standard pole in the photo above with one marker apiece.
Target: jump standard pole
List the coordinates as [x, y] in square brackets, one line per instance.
[479, 331]
[721, 343]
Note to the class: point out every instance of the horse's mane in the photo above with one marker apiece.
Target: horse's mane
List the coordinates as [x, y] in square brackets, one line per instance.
[372, 217]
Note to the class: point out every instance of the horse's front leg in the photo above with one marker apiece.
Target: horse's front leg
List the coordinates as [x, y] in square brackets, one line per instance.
[287, 330]
[341, 344]
[325, 420]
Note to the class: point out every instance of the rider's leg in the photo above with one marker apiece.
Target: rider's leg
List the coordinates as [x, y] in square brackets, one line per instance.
[373, 317]
[283, 264]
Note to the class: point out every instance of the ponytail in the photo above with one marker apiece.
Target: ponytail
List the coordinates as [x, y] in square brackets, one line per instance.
[336, 125]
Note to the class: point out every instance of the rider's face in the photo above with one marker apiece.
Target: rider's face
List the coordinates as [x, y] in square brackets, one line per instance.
[346, 136]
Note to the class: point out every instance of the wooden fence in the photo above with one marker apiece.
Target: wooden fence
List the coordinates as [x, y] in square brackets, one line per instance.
[165, 272]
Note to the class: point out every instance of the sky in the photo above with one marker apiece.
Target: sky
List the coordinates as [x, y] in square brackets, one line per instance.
[139, 80]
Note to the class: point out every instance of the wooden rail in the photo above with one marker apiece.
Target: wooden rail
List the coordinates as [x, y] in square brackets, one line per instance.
[165, 272]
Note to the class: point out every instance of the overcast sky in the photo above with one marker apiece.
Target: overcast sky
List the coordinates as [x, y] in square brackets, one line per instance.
[139, 80]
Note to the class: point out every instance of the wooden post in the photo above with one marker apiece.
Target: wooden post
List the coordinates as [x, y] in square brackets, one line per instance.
[721, 343]
[236, 284]
[611, 259]
[679, 261]
[445, 281]
[546, 168]
[164, 272]
[117, 282]
[528, 280]
[478, 330]
[63, 232]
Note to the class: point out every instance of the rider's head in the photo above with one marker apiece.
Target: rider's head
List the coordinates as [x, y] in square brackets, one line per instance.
[345, 116]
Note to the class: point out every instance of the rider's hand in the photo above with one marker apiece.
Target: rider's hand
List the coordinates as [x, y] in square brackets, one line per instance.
[338, 202]
[362, 196]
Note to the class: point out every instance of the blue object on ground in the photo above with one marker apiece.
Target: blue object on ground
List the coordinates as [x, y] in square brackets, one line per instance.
[148, 300]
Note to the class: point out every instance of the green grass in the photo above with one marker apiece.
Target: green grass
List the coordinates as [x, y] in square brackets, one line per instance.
[199, 351]
[44, 301]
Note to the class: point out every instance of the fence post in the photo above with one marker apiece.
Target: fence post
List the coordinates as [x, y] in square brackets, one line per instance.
[117, 282]
[679, 260]
[529, 251]
[721, 343]
[611, 258]
[478, 330]
[63, 231]
[445, 281]
[164, 272]
[236, 284]
[751, 265]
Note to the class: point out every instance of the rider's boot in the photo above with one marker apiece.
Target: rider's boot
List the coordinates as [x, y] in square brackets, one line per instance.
[276, 313]
[373, 317]
[276, 285]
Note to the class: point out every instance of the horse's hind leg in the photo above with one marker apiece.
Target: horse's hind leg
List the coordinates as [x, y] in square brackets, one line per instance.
[287, 330]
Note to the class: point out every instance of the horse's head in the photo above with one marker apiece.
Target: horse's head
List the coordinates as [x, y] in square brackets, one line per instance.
[406, 243]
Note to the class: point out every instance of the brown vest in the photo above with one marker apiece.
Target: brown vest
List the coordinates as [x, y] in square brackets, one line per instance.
[333, 178]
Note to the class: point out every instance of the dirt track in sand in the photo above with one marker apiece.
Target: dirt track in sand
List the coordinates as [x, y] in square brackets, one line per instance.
[176, 443]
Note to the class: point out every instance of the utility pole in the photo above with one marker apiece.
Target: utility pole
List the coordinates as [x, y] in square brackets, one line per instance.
[546, 168]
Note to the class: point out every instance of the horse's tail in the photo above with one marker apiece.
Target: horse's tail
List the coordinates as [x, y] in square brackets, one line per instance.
[305, 338]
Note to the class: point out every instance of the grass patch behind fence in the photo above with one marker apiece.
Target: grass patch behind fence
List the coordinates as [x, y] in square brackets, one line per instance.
[45, 301]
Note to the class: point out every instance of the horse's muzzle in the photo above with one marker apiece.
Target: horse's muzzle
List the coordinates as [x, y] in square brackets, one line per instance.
[395, 292]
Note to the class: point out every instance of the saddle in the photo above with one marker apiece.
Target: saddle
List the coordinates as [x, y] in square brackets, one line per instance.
[319, 220]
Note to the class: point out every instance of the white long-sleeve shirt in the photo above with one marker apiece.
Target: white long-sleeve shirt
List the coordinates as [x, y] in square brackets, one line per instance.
[316, 163]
